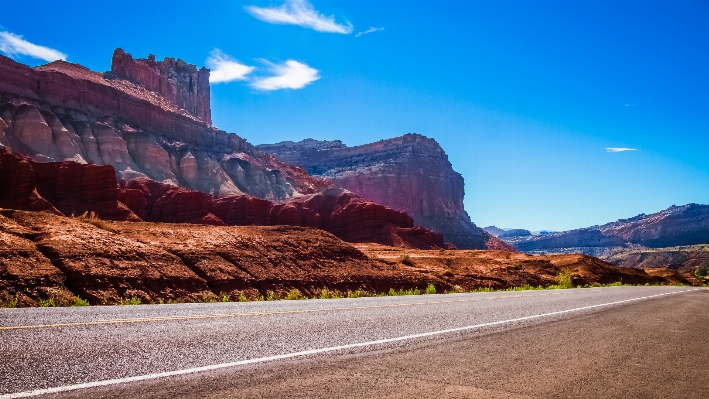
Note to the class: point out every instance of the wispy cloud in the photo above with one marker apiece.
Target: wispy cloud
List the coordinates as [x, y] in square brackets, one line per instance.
[370, 30]
[620, 149]
[301, 13]
[226, 69]
[289, 75]
[12, 44]
[629, 104]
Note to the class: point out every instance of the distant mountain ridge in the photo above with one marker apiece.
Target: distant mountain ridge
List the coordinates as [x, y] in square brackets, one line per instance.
[674, 226]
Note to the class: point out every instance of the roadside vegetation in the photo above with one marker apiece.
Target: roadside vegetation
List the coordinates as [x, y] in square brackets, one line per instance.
[564, 281]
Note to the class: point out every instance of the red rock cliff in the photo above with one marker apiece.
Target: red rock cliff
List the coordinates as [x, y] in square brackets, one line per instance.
[65, 112]
[176, 81]
[410, 173]
[71, 188]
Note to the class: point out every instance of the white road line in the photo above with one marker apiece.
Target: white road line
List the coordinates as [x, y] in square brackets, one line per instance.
[145, 377]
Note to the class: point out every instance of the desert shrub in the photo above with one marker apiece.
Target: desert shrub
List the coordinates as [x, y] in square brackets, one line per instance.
[80, 302]
[242, 298]
[325, 293]
[408, 261]
[454, 290]
[294, 294]
[565, 281]
[224, 297]
[93, 219]
[701, 273]
[482, 289]
[430, 289]
[271, 296]
[50, 302]
[130, 301]
[9, 301]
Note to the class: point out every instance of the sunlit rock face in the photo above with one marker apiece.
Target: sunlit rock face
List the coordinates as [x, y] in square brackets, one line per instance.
[175, 80]
[410, 173]
[146, 118]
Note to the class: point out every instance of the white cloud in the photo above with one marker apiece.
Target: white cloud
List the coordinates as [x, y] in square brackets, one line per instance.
[620, 149]
[290, 75]
[225, 69]
[301, 13]
[629, 104]
[370, 30]
[12, 44]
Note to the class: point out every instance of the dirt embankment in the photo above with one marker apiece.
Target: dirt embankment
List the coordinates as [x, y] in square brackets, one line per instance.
[470, 269]
[44, 255]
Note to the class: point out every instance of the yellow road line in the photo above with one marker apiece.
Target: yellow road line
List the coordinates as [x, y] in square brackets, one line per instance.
[242, 314]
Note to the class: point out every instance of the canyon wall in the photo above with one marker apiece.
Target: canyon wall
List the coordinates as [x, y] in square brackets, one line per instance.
[410, 173]
[71, 189]
[62, 111]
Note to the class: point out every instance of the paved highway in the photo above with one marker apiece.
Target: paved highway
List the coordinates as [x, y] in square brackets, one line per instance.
[599, 342]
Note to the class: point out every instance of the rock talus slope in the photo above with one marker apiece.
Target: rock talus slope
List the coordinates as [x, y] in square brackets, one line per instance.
[410, 173]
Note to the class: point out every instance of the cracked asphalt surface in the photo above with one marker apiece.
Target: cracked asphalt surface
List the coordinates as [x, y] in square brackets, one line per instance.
[653, 347]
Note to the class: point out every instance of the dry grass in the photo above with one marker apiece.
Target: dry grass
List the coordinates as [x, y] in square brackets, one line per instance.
[93, 219]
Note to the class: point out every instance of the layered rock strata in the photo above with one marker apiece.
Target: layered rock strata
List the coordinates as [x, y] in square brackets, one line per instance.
[410, 173]
[175, 80]
[70, 188]
[677, 225]
[62, 111]
[48, 256]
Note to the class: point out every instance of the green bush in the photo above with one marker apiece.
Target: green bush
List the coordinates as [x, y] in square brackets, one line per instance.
[48, 303]
[565, 281]
[294, 294]
[431, 289]
[242, 297]
[80, 302]
[130, 301]
[9, 301]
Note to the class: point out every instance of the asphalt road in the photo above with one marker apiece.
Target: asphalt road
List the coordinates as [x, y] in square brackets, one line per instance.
[640, 342]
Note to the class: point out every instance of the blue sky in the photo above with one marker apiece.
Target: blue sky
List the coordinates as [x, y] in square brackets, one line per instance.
[524, 96]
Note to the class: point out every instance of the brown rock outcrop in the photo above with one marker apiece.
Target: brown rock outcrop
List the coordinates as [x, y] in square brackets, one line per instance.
[62, 111]
[158, 202]
[410, 173]
[47, 254]
[18, 186]
[61, 188]
[25, 273]
[44, 255]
